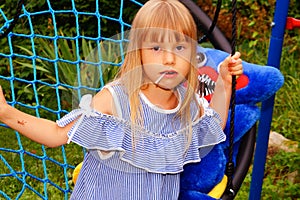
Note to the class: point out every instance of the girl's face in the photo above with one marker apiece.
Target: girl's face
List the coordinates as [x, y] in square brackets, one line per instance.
[166, 64]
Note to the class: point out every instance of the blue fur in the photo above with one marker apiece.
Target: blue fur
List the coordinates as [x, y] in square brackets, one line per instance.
[199, 178]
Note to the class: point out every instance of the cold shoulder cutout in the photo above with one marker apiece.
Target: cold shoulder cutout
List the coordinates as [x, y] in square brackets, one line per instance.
[103, 102]
[159, 146]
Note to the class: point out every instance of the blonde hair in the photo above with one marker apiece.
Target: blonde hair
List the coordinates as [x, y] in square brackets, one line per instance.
[154, 17]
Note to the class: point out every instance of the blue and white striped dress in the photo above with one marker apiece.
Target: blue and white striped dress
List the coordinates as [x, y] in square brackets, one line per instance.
[115, 170]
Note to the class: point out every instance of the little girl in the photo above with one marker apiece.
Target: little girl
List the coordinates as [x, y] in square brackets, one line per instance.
[142, 128]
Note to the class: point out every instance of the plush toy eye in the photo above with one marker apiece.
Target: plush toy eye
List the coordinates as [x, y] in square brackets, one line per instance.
[201, 59]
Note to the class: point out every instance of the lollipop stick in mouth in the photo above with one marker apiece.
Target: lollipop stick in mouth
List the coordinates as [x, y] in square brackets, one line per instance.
[159, 78]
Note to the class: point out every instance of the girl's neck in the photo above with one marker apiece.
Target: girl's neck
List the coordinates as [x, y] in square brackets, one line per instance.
[163, 98]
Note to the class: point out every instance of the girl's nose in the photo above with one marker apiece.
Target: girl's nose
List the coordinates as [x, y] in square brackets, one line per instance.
[168, 57]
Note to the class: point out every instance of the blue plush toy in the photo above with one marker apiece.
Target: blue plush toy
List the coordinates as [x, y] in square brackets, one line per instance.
[255, 85]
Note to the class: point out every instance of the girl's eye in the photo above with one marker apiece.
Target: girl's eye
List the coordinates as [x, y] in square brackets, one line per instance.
[180, 48]
[156, 48]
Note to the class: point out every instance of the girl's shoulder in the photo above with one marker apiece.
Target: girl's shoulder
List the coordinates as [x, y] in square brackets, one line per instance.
[104, 100]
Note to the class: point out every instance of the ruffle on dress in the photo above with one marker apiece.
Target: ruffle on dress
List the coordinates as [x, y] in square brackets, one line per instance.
[148, 150]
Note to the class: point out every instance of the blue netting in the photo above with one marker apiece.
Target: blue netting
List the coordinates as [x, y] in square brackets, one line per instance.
[47, 63]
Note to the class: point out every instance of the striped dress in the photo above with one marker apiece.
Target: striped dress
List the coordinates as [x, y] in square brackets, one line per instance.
[114, 169]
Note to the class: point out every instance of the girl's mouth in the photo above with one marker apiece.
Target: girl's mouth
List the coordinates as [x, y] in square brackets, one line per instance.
[169, 74]
[166, 74]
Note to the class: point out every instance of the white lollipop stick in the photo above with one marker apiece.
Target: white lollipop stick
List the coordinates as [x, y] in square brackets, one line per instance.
[159, 78]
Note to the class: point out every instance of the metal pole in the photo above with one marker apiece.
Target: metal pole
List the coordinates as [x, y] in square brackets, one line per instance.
[275, 49]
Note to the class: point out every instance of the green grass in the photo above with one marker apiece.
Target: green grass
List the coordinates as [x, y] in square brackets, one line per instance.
[281, 166]
[22, 163]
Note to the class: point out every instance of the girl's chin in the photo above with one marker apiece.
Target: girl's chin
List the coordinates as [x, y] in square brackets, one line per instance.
[164, 87]
[165, 84]
[168, 86]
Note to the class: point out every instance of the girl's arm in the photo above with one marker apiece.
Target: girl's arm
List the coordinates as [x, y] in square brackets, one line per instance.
[220, 101]
[44, 131]
[40, 130]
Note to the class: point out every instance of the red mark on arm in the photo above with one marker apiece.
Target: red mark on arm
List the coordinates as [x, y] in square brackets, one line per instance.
[22, 122]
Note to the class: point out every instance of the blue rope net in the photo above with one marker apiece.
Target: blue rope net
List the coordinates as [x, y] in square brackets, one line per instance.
[47, 63]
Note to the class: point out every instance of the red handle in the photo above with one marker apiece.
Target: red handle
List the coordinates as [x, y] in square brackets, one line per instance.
[292, 23]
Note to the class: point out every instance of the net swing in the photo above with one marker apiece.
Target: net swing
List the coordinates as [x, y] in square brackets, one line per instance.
[42, 185]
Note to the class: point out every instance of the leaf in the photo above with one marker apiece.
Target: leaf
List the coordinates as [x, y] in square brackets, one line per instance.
[255, 33]
[252, 23]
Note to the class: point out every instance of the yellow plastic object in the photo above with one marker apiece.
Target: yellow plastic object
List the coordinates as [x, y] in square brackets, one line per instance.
[76, 172]
[219, 189]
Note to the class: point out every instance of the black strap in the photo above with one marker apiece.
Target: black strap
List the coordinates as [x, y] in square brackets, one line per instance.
[230, 164]
[214, 22]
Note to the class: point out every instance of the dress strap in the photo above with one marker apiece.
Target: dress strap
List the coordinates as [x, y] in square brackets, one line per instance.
[85, 110]
[115, 99]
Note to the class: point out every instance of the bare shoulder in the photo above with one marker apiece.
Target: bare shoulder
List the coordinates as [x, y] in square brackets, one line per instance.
[103, 102]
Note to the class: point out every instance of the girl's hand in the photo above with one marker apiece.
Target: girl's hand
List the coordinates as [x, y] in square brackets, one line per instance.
[232, 65]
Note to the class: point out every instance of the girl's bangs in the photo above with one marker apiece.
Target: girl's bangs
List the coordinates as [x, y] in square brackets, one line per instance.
[164, 35]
